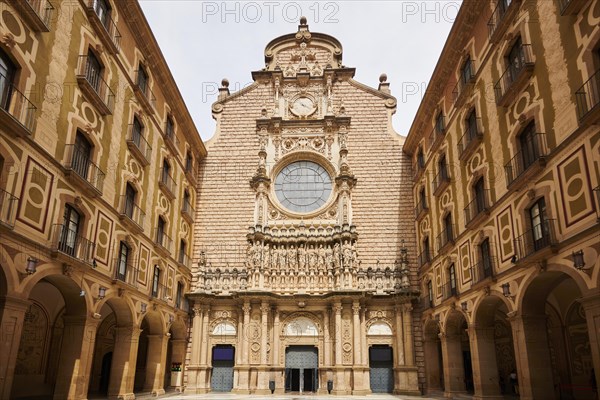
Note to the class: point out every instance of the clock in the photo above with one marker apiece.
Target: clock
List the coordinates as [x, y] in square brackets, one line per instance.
[303, 107]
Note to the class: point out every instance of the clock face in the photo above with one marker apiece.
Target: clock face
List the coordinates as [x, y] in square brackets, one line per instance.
[303, 107]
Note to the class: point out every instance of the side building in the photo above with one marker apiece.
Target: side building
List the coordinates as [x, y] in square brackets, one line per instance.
[506, 155]
[97, 156]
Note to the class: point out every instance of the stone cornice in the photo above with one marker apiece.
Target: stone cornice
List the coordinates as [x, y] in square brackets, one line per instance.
[133, 15]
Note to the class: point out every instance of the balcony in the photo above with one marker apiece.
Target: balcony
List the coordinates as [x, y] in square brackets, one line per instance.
[437, 135]
[139, 146]
[162, 242]
[470, 140]
[94, 87]
[445, 239]
[501, 17]
[537, 243]
[441, 181]
[465, 85]
[483, 270]
[131, 214]
[8, 209]
[515, 77]
[104, 26]
[426, 303]
[83, 172]
[160, 292]
[527, 162]
[144, 94]
[424, 259]
[478, 209]
[126, 274]
[588, 100]
[171, 140]
[17, 113]
[449, 290]
[190, 173]
[68, 245]
[568, 7]
[167, 184]
[37, 13]
[418, 169]
[421, 210]
[184, 260]
[187, 211]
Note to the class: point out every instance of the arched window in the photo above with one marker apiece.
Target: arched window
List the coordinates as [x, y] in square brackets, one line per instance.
[182, 252]
[301, 326]
[379, 329]
[142, 79]
[452, 279]
[7, 73]
[103, 10]
[160, 230]
[170, 127]
[72, 222]
[189, 162]
[82, 155]
[122, 262]
[224, 329]
[156, 281]
[137, 131]
[166, 172]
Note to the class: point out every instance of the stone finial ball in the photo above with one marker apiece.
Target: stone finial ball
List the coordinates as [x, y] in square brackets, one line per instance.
[382, 78]
[225, 82]
[303, 20]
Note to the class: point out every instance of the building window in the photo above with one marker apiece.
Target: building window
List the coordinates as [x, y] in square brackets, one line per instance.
[449, 232]
[537, 216]
[480, 200]
[169, 127]
[103, 12]
[137, 132]
[7, 74]
[122, 261]
[189, 162]
[182, 253]
[430, 293]
[452, 279]
[516, 59]
[142, 79]
[160, 230]
[179, 296]
[72, 222]
[443, 168]
[423, 199]
[420, 158]
[466, 71]
[503, 4]
[166, 172]
[303, 186]
[82, 154]
[530, 150]
[155, 281]
[486, 259]
[472, 125]
[440, 126]
[426, 249]
[130, 195]
[94, 71]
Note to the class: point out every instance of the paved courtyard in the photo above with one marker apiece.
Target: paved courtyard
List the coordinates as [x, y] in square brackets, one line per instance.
[228, 396]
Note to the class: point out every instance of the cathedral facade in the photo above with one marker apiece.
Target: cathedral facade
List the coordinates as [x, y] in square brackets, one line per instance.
[304, 273]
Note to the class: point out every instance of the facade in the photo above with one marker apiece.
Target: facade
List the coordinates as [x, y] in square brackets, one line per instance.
[304, 266]
[506, 155]
[97, 153]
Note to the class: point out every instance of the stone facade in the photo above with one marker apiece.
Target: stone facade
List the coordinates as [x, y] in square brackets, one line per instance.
[506, 158]
[284, 277]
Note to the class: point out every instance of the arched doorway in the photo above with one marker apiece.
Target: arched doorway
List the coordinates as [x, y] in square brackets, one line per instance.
[433, 357]
[223, 361]
[50, 358]
[151, 355]
[176, 352]
[381, 363]
[493, 350]
[458, 369]
[554, 348]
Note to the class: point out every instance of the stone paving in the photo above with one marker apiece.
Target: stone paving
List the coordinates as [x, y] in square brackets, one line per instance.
[228, 396]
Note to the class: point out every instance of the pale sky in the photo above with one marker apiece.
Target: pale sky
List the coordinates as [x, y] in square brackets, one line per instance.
[206, 41]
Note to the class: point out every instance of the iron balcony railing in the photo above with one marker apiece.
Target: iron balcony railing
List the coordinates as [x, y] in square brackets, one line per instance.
[497, 16]
[159, 292]
[477, 206]
[162, 239]
[171, 138]
[445, 238]
[532, 151]
[184, 260]
[449, 289]
[513, 72]
[167, 182]
[42, 10]
[421, 209]
[8, 208]
[107, 23]
[483, 269]
[426, 303]
[441, 180]
[70, 242]
[132, 211]
[16, 104]
[79, 162]
[144, 89]
[424, 258]
[89, 72]
[182, 304]
[535, 239]
[464, 80]
[471, 137]
[125, 272]
[437, 133]
[588, 96]
[136, 139]
[187, 210]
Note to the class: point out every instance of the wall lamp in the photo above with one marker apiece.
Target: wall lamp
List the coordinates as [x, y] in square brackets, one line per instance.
[31, 267]
[101, 292]
[143, 308]
[464, 306]
[506, 290]
[578, 260]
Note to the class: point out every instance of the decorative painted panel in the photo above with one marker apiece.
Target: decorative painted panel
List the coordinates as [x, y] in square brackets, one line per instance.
[103, 238]
[35, 196]
[144, 259]
[575, 190]
[170, 279]
[505, 233]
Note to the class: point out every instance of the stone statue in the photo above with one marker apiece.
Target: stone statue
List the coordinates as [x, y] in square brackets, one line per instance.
[336, 255]
[312, 257]
[321, 259]
[328, 257]
[256, 254]
[292, 257]
[267, 256]
[301, 257]
[347, 254]
[282, 257]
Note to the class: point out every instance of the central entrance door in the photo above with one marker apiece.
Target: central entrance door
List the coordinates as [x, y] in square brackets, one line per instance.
[301, 367]
[222, 368]
[381, 363]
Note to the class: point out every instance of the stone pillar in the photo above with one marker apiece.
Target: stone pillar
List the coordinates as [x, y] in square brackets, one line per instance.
[340, 383]
[203, 377]
[399, 353]
[77, 352]
[485, 367]
[359, 384]
[363, 340]
[530, 336]
[263, 372]
[192, 369]
[591, 306]
[406, 373]
[122, 370]
[155, 364]
[13, 315]
[244, 368]
[454, 372]
[408, 335]
[177, 356]
[327, 339]
[276, 339]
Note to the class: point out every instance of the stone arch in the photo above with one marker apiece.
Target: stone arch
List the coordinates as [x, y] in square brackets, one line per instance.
[223, 327]
[483, 308]
[379, 327]
[122, 308]
[155, 321]
[178, 329]
[454, 322]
